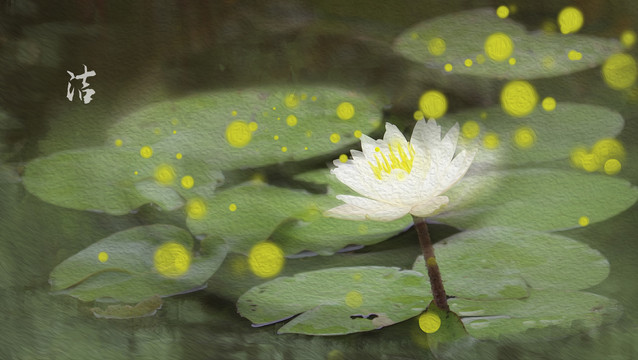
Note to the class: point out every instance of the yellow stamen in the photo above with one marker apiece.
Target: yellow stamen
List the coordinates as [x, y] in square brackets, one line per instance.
[398, 160]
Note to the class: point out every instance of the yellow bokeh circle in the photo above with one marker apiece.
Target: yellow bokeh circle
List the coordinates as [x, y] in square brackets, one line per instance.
[628, 38]
[102, 256]
[266, 259]
[172, 259]
[612, 167]
[549, 104]
[345, 111]
[512, 61]
[619, 71]
[502, 11]
[468, 62]
[354, 299]
[238, 134]
[433, 104]
[583, 221]
[518, 98]
[146, 152]
[164, 174]
[429, 322]
[524, 137]
[448, 67]
[232, 207]
[436, 46]
[291, 120]
[491, 141]
[574, 55]
[343, 158]
[357, 133]
[196, 208]
[570, 20]
[291, 101]
[335, 138]
[470, 129]
[499, 46]
[118, 142]
[187, 182]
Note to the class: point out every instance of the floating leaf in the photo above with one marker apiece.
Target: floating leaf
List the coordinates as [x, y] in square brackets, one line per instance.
[451, 330]
[536, 199]
[103, 179]
[544, 315]
[121, 266]
[494, 263]
[254, 126]
[453, 39]
[553, 134]
[144, 308]
[337, 301]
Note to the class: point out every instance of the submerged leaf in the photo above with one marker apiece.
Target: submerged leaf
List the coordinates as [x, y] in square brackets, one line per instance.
[144, 308]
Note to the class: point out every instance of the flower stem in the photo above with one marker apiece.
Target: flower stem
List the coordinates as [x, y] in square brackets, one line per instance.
[436, 282]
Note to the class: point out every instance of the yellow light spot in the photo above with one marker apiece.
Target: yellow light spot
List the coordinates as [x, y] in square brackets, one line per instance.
[305, 148]
[233, 113]
[335, 138]
[470, 129]
[135, 172]
[433, 104]
[274, 108]
[304, 96]
[548, 62]
[276, 137]
[549, 103]
[343, 158]
[436, 46]
[164, 174]
[480, 58]
[232, 207]
[291, 101]
[608, 148]
[418, 115]
[377, 149]
[483, 115]
[118, 142]
[291, 120]
[196, 208]
[548, 27]
[502, 11]
[284, 149]
[345, 111]
[187, 182]
[431, 262]
[518, 98]
[354, 299]
[357, 276]
[574, 55]
[178, 156]
[314, 98]
[238, 265]
[357, 133]
[468, 62]
[172, 259]
[524, 137]
[490, 141]
[266, 259]
[414, 36]
[512, 61]
[570, 20]
[429, 322]
[628, 38]
[335, 355]
[612, 167]
[362, 229]
[102, 256]
[157, 131]
[253, 126]
[174, 121]
[498, 46]
[590, 162]
[238, 134]
[174, 132]
[448, 67]
[576, 156]
[619, 71]
[259, 178]
[583, 221]
[146, 152]
[308, 133]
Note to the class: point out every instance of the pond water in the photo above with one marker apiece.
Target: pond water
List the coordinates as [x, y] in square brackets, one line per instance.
[145, 52]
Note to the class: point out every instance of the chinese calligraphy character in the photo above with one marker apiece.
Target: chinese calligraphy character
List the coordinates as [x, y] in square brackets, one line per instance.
[87, 92]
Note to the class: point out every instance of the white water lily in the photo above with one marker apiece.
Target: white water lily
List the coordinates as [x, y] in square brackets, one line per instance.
[397, 177]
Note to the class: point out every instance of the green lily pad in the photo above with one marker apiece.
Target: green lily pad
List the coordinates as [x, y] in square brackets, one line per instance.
[451, 330]
[337, 301]
[121, 267]
[464, 34]
[254, 126]
[104, 178]
[144, 308]
[536, 199]
[546, 314]
[556, 132]
[503, 263]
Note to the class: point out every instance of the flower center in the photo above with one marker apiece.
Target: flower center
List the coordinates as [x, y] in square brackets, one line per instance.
[398, 159]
